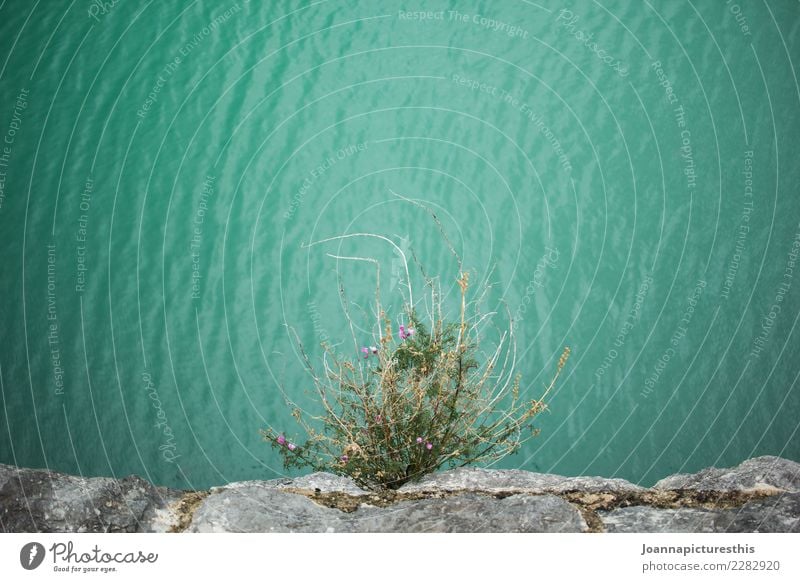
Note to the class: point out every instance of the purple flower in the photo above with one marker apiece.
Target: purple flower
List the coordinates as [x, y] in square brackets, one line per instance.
[365, 351]
[405, 333]
[378, 418]
[343, 458]
[291, 446]
[374, 350]
[429, 446]
[281, 440]
[419, 440]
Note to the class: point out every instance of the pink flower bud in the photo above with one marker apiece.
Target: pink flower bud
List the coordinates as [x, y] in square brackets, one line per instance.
[281, 440]
[419, 440]
[429, 446]
[291, 446]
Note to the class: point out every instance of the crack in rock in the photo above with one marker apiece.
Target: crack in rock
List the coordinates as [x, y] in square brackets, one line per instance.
[183, 510]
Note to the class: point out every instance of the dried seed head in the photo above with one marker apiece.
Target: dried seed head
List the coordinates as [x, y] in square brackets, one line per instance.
[563, 359]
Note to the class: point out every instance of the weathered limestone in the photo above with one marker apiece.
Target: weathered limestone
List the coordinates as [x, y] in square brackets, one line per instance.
[759, 495]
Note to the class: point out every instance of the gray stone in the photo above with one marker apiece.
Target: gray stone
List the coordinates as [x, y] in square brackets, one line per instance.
[643, 519]
[473, 513]
[314, 483]
[515, 481]
[266, 509]
[34, 500]
[326, 483]
[760, 473]
[760, 495]
[775, 514]
[263, 509]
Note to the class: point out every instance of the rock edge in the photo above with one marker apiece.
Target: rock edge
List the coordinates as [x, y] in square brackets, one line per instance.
[759, 495]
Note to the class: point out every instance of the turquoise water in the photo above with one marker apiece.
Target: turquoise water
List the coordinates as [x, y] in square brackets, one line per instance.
[624, 175]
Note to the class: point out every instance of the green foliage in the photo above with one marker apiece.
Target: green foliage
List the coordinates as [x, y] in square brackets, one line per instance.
[421, 403]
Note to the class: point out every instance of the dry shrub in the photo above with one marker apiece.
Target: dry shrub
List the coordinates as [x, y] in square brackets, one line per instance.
[422, 398]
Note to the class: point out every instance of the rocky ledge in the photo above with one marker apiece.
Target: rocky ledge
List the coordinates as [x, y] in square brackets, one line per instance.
[760, 495]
